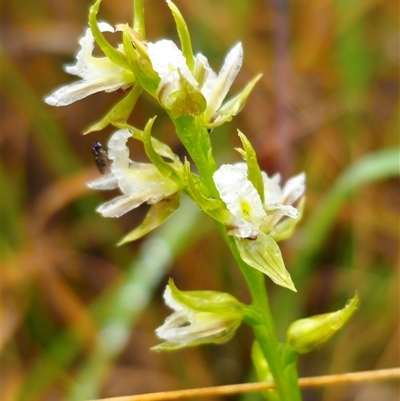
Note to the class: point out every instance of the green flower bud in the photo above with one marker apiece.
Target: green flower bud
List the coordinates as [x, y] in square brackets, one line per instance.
[309, 334]
[200, 317]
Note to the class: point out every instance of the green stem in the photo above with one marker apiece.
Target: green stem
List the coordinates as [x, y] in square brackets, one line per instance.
[138, 17]
[285, 380]
[196, 140]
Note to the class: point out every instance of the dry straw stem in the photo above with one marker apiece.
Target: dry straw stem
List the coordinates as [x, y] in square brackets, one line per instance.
[345, 378]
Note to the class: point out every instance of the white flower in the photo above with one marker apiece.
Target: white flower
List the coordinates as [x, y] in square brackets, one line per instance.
[199, 317]
[241, 199]
[139, 182]
[249, 214]
[170, 64]
[215, 88]
[278, 201]
[97, 73]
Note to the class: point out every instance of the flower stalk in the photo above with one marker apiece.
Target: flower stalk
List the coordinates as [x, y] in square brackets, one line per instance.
[138, 17]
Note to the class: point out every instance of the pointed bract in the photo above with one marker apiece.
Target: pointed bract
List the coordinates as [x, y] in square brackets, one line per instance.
[263, 254]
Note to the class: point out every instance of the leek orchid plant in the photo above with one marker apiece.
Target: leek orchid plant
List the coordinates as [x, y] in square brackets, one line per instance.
[252, 209]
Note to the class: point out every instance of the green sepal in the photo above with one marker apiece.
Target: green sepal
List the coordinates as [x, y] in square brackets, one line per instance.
[174, 170]
[113, 54]
[263, 254]
[184, 36]
[208, 301]
[157, 215]
[309, 334]
[188, 101]
[215, 208]
[253, 169]
[285, 228]
[136, 52]
[234, 105]
[118, 115]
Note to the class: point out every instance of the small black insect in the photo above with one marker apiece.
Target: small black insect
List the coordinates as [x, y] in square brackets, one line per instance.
[100, 157]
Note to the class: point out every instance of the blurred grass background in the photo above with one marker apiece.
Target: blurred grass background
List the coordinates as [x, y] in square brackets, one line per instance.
[78, 314]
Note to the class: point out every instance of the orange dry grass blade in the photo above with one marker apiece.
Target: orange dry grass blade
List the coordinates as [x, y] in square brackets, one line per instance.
[384, 374]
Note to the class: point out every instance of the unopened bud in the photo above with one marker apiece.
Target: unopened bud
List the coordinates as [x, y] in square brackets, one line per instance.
[309, 334]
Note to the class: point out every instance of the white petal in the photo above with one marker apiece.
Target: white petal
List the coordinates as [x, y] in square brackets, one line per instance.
[98, 74]
[293, 189]
[118, 151]
[84, 56]
[79, 90]
[230, 69]
[167, 59]
[119, 206]
[105, 182]
[272, 189]
[171, 301]
[205, 76]
[172, 326]
[285, 210]
[169, 62]
[240, 196]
